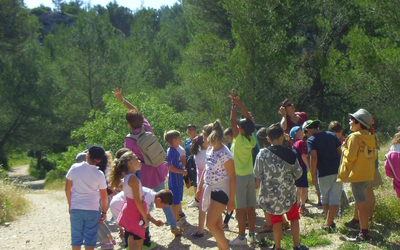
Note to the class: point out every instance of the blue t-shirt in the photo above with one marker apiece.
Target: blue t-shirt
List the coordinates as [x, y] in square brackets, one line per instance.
[326, 144]
[187, 145]
[174, 158]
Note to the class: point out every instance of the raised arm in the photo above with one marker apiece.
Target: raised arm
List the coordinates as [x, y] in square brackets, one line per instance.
[282, 112]
[236, 103]
[118, 94]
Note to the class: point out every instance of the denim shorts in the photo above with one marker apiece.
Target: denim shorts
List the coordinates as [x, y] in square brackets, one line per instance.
[84, 227]
[359, 190]
[330, 190]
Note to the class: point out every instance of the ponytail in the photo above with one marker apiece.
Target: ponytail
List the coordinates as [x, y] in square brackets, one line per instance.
[217, 133]
[119, 168]
[197, 142]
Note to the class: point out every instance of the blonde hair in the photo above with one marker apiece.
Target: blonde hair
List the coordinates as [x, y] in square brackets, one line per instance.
[216, 134]
[119, 168]
[396, 138]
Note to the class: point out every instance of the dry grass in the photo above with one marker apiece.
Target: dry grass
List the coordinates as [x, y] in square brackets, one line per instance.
[12, 201]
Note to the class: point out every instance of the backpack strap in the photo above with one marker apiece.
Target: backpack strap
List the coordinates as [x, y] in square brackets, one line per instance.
[135, 137]
[391, 166]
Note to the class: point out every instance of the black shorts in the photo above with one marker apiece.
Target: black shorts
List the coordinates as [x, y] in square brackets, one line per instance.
[220, 196]
[135, 237]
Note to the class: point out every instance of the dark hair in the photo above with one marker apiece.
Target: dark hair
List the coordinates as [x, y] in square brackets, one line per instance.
[120, 152]
[357, 122]
[228, 131]
[208, 129]
[262, 137]
[165, 196]
[119, 168]
[335, 127]
[217, 133]
[314, 125]
[103, 164]
[274, 131]
[169, 136]
[191, 126]
[196, 144]
[286, 103]
[134, 118]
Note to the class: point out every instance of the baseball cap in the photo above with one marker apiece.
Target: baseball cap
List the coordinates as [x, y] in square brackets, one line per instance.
[363, 116]
[293, 131]
[96, 153]
[247, 125]
[311, 123]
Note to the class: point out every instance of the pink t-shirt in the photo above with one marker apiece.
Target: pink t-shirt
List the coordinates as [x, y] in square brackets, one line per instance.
[150, 176]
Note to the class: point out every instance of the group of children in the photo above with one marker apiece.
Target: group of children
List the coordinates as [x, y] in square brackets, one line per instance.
[226, 177]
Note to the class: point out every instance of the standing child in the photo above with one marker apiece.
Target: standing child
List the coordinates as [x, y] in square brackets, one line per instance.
[218, 184]
[277, 168]
[242, 146]
[228, 137]
[300, 148]
[198, 149]
[134, 210]
[176, 172]
[358, 165]
[84, 187]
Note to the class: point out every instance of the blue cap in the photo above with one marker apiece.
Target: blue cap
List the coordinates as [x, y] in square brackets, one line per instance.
[293, 132]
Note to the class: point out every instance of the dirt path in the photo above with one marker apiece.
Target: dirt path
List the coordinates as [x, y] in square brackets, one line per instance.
[47, 225]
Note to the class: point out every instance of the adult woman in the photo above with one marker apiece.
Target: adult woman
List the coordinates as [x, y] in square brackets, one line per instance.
[150, 177]
[290, 117]
[218, 183]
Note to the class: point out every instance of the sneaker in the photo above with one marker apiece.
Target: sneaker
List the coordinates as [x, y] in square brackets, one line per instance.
[152, 246]
[193, 203]
[182, 214]
[304, 211]
[329, 229]
[251, 239]
[352, 225]
[108, 245]
[176, 231]
[300, 247]
[197, 235]
[360, 237]
[238, 242]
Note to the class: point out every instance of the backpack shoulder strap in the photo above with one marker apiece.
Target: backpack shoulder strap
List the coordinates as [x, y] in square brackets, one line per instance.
[135, 137]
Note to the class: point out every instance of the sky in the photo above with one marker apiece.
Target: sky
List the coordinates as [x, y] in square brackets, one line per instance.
[131, 4]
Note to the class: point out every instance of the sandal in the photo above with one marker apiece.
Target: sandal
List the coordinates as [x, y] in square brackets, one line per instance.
[265, 229]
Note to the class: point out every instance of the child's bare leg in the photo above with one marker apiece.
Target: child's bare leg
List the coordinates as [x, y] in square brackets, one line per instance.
[251, 215]
[89, 248]
[304, 194]
[175, 211]
[134, 244]
[295, 227]
[214, 224]
[76, 248]
[363, 214]
[298, 192]
[277, 227]
[202, 218]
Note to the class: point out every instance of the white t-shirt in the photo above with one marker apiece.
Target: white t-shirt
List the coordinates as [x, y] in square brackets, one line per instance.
[117, 203]
[87, 180]
[149, 197]
[128, 190]
[215, 169]
[200, 160]
[181, 151]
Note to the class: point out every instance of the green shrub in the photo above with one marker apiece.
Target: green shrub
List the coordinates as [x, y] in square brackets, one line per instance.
[387, 208]
[53, 175]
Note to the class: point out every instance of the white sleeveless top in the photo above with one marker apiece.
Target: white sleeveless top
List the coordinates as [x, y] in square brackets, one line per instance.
[128, 190]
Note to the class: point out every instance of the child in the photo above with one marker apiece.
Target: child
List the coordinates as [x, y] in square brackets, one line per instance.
[218, 184]
[84, 187]
[198, 149]
[228, 137]
[133, 210]
[176, 172]
[277, 169]
[300, 148]
[358, 165]
[242, 146]
[396, 142]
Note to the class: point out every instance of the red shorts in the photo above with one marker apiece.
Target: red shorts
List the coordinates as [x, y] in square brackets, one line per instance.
[292, 214]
